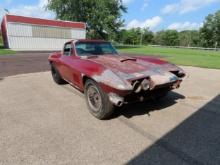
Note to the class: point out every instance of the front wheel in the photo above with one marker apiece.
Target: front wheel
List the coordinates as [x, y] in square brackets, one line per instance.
[97, 100]
[56, 75]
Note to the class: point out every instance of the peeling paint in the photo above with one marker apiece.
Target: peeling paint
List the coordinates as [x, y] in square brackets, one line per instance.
[120, 77]
[109, 78]
[122, 70]
[162, 79]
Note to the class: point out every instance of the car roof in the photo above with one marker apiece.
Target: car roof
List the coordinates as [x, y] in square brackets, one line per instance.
[88, 40]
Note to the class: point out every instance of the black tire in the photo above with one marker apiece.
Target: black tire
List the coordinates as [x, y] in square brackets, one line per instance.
[106, 108]
[56, 75]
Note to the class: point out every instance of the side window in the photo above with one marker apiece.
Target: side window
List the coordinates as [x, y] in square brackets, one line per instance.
[67, 49]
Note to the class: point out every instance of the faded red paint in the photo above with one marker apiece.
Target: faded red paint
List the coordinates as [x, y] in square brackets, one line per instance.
[119, 63]
[45, 22]
[115, 73]
[152, 60]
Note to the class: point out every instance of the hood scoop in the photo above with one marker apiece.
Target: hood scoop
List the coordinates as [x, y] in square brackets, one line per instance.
[119, 63]
[128, 59]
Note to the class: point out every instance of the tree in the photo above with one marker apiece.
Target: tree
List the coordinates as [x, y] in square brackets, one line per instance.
[171, 38]
[131, 36]
[210, 32]
[147, 36]
[189, 38]
[207, 31]
[159, 38]
[103, 17]
[135, 36]
[168, 38]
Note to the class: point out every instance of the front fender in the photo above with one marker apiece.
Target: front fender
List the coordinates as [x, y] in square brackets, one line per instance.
[112, 80]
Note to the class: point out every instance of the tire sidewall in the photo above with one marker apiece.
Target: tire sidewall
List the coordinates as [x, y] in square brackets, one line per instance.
[106, 107]
[56, 75]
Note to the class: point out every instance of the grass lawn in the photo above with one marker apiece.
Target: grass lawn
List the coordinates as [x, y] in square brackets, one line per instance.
[187, 57]
[5, 51]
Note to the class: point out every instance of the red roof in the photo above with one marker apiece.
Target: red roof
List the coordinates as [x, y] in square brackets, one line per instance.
[39, 21]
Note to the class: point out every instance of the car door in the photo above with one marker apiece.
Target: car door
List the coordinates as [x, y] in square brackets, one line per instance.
[70, 67]
[65, 62]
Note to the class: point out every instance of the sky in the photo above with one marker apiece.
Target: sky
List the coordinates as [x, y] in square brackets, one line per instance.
[154, 14]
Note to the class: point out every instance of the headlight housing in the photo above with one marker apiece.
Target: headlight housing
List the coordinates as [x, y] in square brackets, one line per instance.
[145, 84]
[137, 86]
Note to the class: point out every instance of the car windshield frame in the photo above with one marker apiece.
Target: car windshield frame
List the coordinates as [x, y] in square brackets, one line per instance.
[94, 48]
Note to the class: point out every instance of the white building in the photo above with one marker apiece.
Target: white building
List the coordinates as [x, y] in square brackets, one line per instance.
[26, 33]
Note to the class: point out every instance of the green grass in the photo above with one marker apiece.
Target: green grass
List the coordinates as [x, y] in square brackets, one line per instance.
[187, 57]
[5, 51]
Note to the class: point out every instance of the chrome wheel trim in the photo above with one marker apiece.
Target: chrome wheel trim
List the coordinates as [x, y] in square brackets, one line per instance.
[94, 98]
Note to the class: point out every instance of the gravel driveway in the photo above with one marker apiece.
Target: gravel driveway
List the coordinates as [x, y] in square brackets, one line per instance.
[43, 123]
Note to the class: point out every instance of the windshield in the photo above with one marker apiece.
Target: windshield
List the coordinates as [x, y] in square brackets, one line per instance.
[94, 48]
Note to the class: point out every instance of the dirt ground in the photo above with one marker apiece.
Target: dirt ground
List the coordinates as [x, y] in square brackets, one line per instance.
[44, 123]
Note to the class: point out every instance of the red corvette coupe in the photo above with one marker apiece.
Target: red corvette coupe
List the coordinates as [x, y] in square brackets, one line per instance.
[109, 79]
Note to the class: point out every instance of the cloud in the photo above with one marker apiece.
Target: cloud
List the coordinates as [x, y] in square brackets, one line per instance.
[126, 2]
[171, 8]
[145, 5]
[185, 6]
[148, 23]
[181, 26]
[37, 10]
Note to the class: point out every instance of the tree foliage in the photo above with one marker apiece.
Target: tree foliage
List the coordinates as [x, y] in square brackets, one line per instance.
[210, 32]
[103, 17]
[207, 36]
[168, 37]
[135, 36]
[189, 38]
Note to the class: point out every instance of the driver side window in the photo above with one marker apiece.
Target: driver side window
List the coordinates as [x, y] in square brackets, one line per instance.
[67, 49]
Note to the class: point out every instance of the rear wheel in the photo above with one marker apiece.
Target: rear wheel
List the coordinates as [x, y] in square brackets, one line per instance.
[56, 75]
[97, 100]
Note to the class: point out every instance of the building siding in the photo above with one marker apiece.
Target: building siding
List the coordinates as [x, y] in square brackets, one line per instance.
[19, 30]
[26, 36]
[51, 32]
[28, 43]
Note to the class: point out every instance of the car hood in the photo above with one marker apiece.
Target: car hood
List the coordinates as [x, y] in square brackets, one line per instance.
[123, 64]
[130, 67]
[133, 68]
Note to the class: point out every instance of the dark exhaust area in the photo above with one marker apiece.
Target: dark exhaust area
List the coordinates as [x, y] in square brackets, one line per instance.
[178, 74]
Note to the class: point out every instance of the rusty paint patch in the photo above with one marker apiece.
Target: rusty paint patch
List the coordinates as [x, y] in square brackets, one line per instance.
[121, 71]
[159, 79]
[111, 79]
